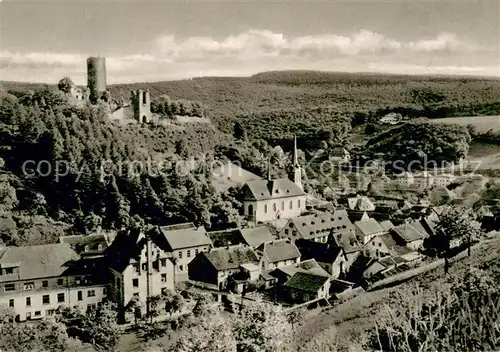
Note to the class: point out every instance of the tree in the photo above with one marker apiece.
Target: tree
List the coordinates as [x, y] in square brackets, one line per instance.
[210, 333]
[181, 148]
[65, 85]
[296, 316]
[205, 306]
[239, 131]
[155, 306]
[173, 302]
[455, 223]
[262, 327]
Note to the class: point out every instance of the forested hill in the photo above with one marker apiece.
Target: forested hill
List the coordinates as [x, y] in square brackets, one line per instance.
[274, 105]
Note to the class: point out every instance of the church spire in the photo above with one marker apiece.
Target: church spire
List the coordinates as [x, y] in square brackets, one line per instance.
[297, 170]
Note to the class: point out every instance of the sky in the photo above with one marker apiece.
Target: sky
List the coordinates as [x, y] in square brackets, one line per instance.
[43, 41]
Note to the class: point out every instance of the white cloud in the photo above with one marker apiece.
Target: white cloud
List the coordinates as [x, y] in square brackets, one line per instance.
[254, 51]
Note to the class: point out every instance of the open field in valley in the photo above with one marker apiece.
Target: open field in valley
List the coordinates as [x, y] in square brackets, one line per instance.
[481, 123]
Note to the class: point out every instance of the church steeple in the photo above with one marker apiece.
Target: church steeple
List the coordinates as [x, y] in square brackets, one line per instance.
[297, 170]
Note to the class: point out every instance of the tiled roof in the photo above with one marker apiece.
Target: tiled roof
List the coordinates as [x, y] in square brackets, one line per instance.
[95, 243]
[387, 225]
[255, 236]
[231, 258]
[272, 189]
[307, 266]
[278, 250]
[306, 282]
[231, 175]
[48, 260]
[321, 252]
[369, 227]
[315, 225]
[348, 242]
[185, 237]
[408, 233]
[420, 228]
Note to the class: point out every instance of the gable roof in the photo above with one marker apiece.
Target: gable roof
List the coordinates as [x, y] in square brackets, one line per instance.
[420, 228]
[307, 266]
[387, 225]
[278, 250]
[230, 258]
[271, 189]
[408, 233]
[34, 262]
[231, 175]
[255, 236]
[369, 227]
[315, 225]
[360, 203]
[321, 252]
[185, 236]
[306, 282]
[348, 242]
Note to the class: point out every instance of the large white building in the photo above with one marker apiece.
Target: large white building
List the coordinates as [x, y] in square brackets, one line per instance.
[36, 280]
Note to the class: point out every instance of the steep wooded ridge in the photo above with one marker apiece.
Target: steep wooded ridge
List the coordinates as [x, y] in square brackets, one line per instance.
[277, 104]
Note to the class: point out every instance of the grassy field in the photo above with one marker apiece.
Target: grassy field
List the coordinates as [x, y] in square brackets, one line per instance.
[351, 320]
[481, 123]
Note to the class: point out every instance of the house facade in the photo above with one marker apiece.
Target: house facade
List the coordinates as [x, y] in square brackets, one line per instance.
[183, 243]
[139, 267]
[278, 253]
[36, 280]
[368, 229]
[318, 226]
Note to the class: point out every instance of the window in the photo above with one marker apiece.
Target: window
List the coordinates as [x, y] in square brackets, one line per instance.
[80, 295]
[145, 266]
[11, 303]
[28, 286]
[104, 291]
[137, 269]
[163, 277]
[60, 282]
[91, 293]
[274, 207]
[291, 205]
[45, 283]
[10, 287]
[188, 253]
[282, 205]
[163, 262]
[9, 271]
[28, 315]
[50, 312]
[135, 282]
[196, 251]
[180, 255]
[181, 268]
[60, 298]
[46, 299]
[298, 203]
[28, 301]
[91, 306]
[286, 231]
[38, 313]
[265, 208]
[136, 295]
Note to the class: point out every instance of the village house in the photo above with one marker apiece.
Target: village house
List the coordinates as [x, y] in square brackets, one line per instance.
[361, 203]
[444, 179]
[183, 243]
[385, 245]
[318, 226]
[376, 267]
[255, 236]
[339, 155]
[407, 235]
[140, 266]
[367, 229]
[218, 265]
[278, 253]
[36, 280]
[329, 256]
[391, 118]
[284, 273]
[423, 180]
[304, 287]
[403, 180]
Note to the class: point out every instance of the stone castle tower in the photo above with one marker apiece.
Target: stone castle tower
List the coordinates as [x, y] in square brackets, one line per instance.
[297, 170]
[96, 78]
[141, 102]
